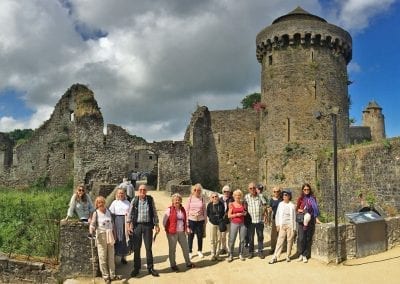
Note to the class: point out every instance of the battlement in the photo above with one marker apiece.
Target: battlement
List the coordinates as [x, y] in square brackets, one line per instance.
[302, 28]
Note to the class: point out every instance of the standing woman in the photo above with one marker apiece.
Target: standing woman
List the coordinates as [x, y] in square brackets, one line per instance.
[196, 216]
[272, 207]
[236, 213]
[215, 214]
[306, 203]
[81, 204]
[285, 225]
[175, 225]
[119, 208]
[103, 225]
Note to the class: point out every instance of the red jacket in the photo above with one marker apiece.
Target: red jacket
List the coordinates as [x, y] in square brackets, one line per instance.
[170, 226]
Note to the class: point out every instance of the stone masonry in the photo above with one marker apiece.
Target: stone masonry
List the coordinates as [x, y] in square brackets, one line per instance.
[286, 143]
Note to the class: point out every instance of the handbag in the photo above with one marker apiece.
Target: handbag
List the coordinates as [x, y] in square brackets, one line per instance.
[299, 217]
[222, 226]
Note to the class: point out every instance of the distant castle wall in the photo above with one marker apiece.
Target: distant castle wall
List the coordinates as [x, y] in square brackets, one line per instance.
[236, 137]
[359, 134]
[372, 170]
[224, 147]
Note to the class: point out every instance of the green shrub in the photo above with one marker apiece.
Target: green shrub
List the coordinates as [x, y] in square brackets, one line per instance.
[29, 220]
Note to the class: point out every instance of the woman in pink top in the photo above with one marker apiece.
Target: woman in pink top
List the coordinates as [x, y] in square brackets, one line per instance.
[236, 214]
[196, 216]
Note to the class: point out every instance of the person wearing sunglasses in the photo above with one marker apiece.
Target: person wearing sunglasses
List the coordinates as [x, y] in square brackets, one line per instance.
[257, 210]
[306, 203]
[197, 218]
[80, 204]
[215, 214]
[226, 199]
[274, 201]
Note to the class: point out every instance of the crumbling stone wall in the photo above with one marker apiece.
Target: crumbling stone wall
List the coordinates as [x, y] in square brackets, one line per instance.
[48, 154]
[203, 153]
[71, 145]
[76, 251]
[6, 149]
[24, 271]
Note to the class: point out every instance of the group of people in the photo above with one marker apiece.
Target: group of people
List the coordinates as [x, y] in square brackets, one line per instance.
[121, 228]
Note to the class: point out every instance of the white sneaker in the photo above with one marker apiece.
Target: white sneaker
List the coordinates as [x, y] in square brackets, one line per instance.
[200, 254]
[305, 260]
[241, 257]
[190, 255]
[300, 258]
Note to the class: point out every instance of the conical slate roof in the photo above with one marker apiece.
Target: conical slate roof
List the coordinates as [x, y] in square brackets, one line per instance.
[373, 104]
[298, 14]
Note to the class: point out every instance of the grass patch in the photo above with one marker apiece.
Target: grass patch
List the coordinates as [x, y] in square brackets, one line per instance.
[29, 220]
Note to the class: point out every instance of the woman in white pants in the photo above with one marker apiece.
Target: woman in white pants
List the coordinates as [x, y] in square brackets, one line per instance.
[103, 224]
[285, 220]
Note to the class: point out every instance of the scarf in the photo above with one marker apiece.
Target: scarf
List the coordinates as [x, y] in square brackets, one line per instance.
[311, 202]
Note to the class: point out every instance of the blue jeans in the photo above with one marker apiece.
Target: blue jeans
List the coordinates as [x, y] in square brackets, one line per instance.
[257, 228]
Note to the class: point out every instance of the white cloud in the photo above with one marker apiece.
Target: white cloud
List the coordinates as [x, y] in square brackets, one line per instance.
[356, 15]
[155, 62]
[353, 67]
[8, 123]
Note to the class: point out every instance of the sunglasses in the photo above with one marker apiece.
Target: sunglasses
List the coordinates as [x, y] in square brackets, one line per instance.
[214, 196]
[81, 190]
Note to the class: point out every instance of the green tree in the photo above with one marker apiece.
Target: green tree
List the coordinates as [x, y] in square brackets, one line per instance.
[250, 100]
[20, 135]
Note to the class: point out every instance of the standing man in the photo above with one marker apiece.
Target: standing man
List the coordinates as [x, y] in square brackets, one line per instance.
[257, 209]
[142, 219]
[226, 199]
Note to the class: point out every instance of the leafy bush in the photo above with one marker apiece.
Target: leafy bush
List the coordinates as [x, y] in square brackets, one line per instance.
[29, 220]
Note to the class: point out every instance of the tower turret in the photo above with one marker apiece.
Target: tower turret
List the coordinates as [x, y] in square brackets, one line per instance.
[304, 71]
[375, 120]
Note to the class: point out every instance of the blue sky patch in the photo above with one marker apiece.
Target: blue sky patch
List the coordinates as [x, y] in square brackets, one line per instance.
[12, 104]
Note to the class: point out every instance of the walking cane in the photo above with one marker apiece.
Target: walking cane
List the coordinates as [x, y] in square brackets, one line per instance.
[91, 238]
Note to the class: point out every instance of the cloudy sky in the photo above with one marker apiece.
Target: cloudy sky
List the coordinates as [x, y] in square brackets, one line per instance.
[150, 63]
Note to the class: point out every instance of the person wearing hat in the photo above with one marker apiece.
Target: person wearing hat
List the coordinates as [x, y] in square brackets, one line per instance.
[226, 199]
[285, 221]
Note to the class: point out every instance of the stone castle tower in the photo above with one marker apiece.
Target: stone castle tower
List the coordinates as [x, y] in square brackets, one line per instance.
[375, 120]
[303, 72]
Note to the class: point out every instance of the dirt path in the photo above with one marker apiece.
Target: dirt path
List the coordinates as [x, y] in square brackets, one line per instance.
[381, 268]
